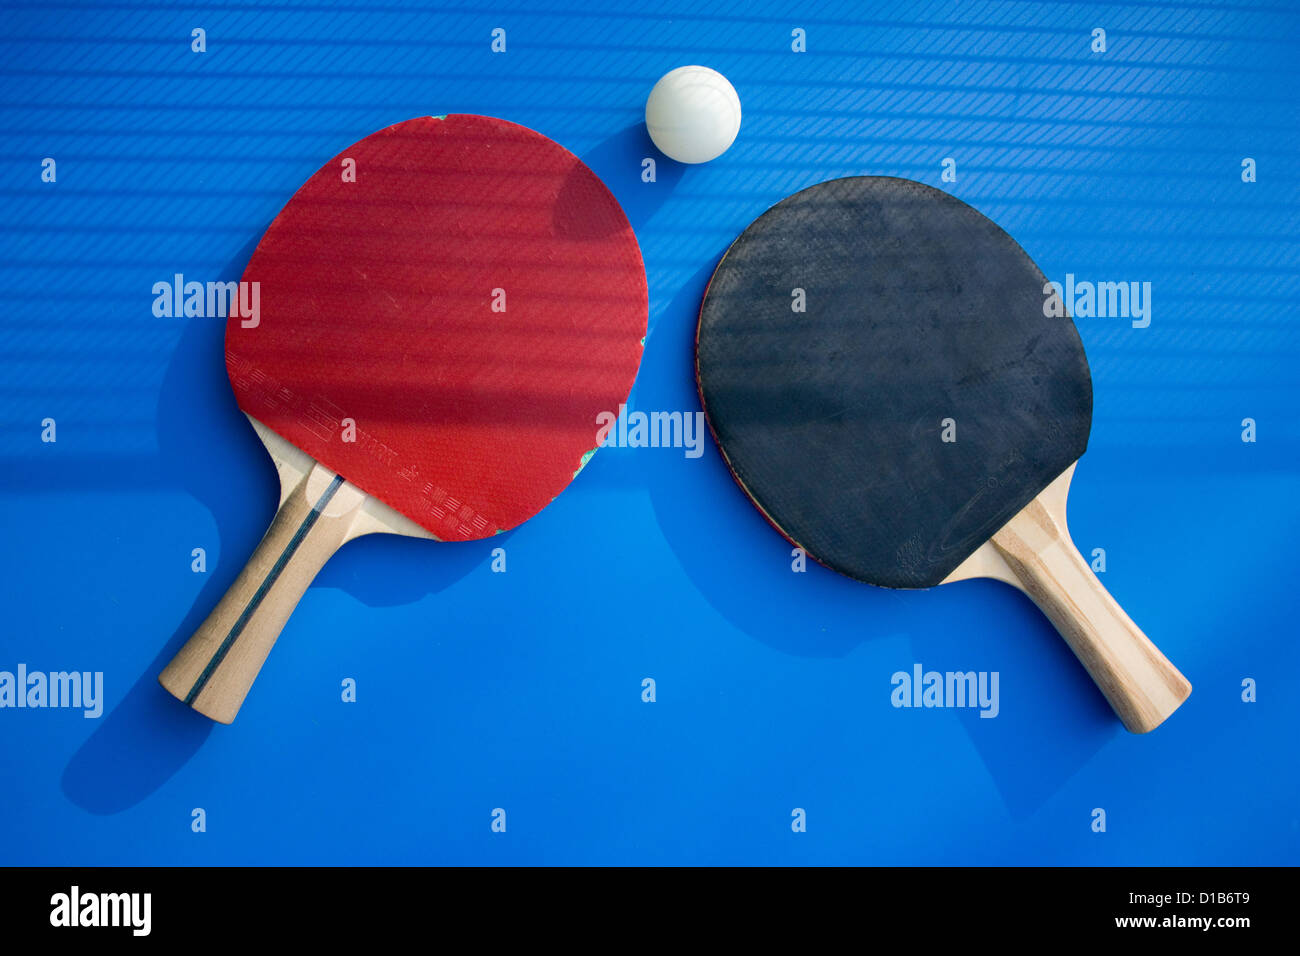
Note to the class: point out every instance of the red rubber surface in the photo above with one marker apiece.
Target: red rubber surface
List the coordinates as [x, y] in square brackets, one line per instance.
[377, 306]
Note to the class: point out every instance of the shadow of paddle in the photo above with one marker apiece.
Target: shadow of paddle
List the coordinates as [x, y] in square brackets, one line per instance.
[1052, 721]
[208, 449]
[1052, 718]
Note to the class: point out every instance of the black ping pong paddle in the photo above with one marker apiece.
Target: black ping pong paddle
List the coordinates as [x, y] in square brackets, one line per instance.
[880, 371]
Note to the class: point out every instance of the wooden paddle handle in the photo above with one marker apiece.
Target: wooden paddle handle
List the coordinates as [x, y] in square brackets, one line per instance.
[216, 667]
[1141, 684]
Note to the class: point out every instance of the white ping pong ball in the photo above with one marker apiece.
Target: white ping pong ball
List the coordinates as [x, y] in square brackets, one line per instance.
[693, 114]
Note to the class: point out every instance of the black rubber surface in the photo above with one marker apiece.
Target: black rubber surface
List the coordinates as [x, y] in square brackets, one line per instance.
[918, 309]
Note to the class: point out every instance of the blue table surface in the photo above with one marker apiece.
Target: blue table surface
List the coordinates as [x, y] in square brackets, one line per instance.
[523, 690]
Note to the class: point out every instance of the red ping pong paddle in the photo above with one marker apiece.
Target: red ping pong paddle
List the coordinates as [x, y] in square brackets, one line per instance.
[890, 384]
[446, 308]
